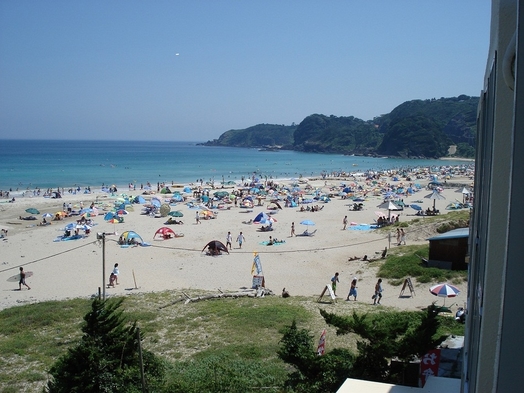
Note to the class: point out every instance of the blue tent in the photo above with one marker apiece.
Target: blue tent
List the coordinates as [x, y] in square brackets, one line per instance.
[139, 199]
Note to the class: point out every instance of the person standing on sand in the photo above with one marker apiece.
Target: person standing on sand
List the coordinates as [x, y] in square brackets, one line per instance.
[378, 292]
[353, 289]
[197, 218]
[22, 280]
[293, 229]
[116, 272]
[334, 281]
[240, 239]
[229, 240]
[345, 222]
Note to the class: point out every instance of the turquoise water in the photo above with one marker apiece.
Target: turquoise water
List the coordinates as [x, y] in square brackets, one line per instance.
[51, 164]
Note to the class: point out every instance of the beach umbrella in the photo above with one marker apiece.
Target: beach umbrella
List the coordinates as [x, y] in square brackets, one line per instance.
[176, 213]
[32, 210]
[444, 290]
[164, 210]
[109, 216]
[187, 189]
[47, 215]
[307, 222]
[415, 207]
[435, 195]
[114, 220]
[156, 202]
[70, 226]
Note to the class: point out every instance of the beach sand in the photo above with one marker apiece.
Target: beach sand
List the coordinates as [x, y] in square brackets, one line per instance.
[303, 265]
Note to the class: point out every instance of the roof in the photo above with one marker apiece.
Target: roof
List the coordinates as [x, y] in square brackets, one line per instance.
[433, 385]
[453, 234]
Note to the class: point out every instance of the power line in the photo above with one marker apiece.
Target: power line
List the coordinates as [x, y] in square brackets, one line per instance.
[48, 257]
[194, 250]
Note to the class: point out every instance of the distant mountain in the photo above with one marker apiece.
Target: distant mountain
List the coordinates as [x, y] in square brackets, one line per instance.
[428, 127]
[346, 135]
[261, 135]
[417, 128]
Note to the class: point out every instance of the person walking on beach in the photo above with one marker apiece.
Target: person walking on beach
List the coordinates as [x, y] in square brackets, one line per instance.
[116, 272]
[402, 237]
[345, 222]
[240, 239]
[378, 292]
[334, 281]
[398, 236]
[229, 240]
[353, 289]
[197, 218]
[293, 229]
[22, 280]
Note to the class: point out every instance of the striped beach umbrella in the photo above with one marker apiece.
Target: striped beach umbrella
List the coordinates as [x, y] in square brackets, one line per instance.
[444, 290]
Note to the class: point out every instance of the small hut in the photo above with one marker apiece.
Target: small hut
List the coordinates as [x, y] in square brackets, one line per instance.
[449, 250]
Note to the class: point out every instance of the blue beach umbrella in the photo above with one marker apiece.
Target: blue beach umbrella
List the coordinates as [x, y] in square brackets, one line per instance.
[109, 216]
[307, 222]
[416, 207]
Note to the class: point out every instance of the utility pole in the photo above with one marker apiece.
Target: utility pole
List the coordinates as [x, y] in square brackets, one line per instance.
[102, 236]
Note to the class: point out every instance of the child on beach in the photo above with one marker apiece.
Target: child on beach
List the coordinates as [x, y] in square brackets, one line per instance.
[112, 279]
[240, 239]
[334, 281]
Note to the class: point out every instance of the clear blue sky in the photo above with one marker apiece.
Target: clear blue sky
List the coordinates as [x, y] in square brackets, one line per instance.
[191, 70]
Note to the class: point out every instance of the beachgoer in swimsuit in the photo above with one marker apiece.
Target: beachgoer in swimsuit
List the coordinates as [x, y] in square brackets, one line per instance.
[22, 279]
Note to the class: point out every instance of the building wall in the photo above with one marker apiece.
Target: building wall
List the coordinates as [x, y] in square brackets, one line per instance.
[493, 340]
[450, 250]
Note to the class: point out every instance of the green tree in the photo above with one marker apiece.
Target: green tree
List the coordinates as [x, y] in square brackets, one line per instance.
[313, 373]
[107, 357]
[404, 335]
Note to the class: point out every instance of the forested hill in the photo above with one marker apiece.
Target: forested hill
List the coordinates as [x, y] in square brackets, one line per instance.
[417, 128]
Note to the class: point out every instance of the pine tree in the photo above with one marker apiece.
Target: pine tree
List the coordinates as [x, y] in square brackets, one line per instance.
[107, 357]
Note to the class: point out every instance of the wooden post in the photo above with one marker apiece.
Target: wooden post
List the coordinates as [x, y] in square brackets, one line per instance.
[134, 279]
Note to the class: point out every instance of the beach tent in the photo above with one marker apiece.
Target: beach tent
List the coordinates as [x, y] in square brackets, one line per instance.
[165, 233]
[139, 199]
[187, 189]
[156, 202]
[263, 218]
[215, 246]
[130, 237]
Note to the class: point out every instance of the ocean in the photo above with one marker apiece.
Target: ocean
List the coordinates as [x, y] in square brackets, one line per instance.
[30, 164]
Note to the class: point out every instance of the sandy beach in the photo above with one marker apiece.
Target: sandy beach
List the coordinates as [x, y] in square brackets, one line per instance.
[303, 265]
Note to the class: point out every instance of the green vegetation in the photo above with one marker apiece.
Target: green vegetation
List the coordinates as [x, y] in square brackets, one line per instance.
[256, 136]
[349, 135]
[230, 345]
[407, 262]
[417, 128]
[385, 335]
[106, 358]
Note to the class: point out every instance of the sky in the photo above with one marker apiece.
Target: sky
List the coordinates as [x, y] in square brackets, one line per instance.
[191, 70]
